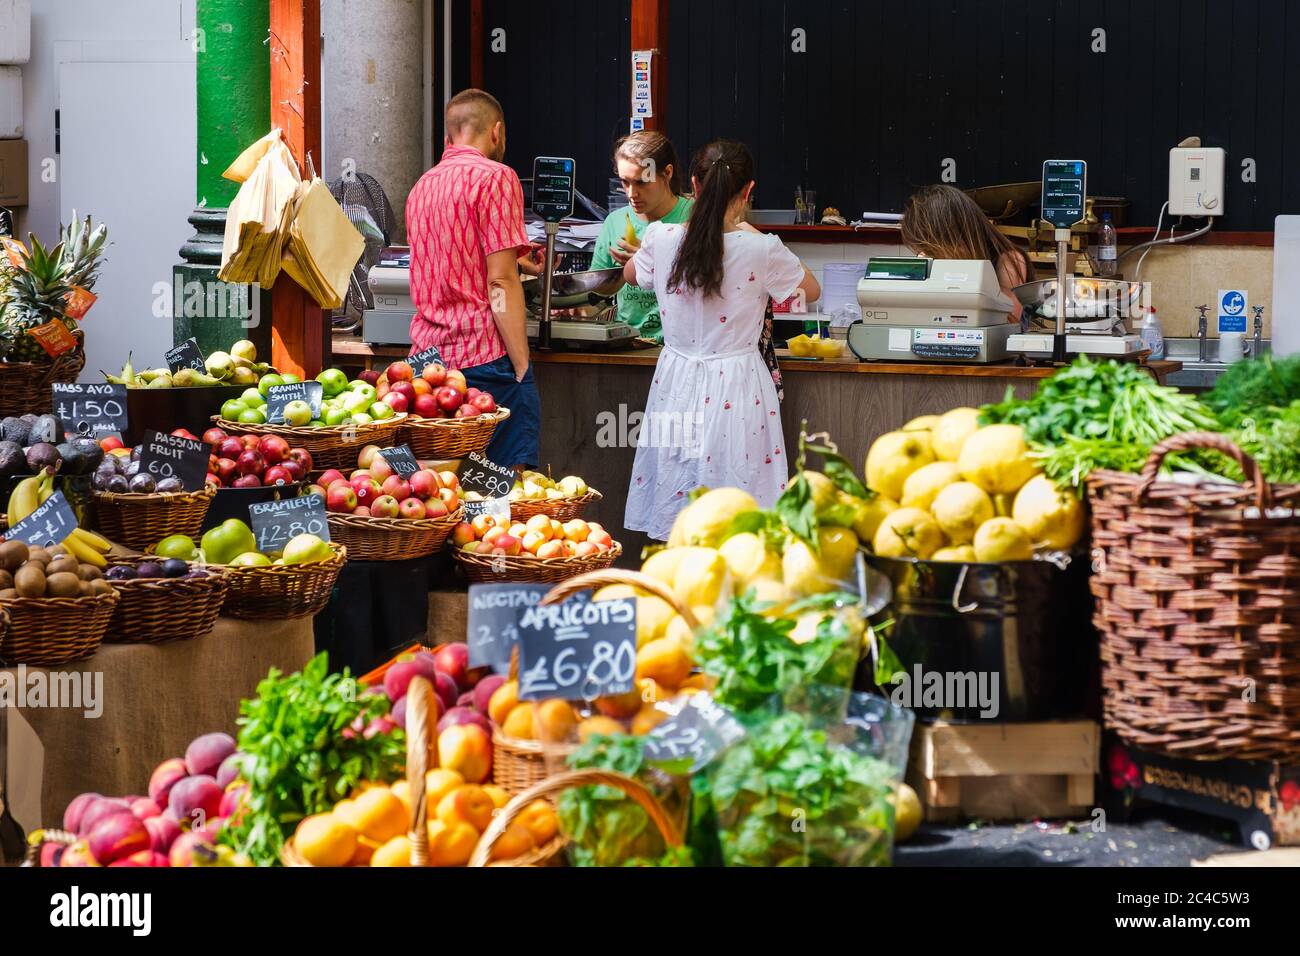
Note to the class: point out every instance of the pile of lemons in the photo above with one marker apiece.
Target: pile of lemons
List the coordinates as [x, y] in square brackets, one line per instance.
[806, 347]
[951, 490]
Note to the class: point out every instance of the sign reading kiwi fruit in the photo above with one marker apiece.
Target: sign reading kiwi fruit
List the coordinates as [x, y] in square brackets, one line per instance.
[422, 360]
[185, 355]
[578, 649]
[401, 459]
[93, 411]
[690, 739]
[280, 398]
[275, 523]
[482, 474]
[48, 525]
[493, 626]
[171, 458]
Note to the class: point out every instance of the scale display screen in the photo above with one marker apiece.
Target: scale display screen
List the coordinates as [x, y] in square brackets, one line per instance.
[553, 178]
[899, 267]
[1065, 184]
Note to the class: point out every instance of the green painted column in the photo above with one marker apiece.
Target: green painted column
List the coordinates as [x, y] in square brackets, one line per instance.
[233, 102]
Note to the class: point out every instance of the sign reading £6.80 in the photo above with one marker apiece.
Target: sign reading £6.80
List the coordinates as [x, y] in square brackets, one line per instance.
[1232, 310]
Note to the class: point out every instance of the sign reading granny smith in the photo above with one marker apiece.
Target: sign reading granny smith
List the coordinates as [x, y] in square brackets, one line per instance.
[295, 403]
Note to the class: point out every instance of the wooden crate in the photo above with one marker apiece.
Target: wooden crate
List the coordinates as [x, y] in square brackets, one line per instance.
[994, 771]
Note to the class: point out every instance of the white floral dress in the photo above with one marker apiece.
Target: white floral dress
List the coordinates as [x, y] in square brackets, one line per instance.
[712, 418]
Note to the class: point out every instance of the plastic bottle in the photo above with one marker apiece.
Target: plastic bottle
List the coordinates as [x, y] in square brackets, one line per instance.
[1153, 335]
[1106, 247]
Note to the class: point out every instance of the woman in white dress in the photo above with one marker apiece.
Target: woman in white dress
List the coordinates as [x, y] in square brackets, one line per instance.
[712, 418]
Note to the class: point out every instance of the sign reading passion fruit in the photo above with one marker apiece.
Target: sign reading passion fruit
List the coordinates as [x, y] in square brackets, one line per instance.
[171, 456]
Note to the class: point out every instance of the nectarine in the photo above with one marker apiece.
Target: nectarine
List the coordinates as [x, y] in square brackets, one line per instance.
[467, 749]
[467, 804]
[520, 722]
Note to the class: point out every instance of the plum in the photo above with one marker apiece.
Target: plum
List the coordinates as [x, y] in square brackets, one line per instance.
[195, 800]
[484, 690]
[163, 831]
[205, 754]
[98, 810]
[72, 815]
[116, 836]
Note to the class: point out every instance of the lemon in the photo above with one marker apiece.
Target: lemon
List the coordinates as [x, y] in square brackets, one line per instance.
[828, 348]
[924, 484]
[892, 457]
[908, 533]
[996, 459]
[701, 576]
[1053, 518]
[960, 509]
[961, 552]
[771, 596]
[907, 813]
[822, 488]
[951, 431]
[805, 571]
[870, 514]
[748, 559]
[662, 565]
[1001, 539]
[611, 591]
[800, 345]
[924, 423]
[677, 534]
[706, 521]
[1002, 505]
[652, 617]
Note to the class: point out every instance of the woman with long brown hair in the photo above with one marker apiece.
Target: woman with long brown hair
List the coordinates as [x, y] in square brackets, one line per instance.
[712, 418]
[942, 222]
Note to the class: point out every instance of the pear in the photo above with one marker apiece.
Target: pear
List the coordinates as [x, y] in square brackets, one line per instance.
[245, 350]
[220, 365]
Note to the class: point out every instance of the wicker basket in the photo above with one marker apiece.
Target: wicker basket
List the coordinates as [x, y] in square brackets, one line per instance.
[561, 509]
[443, 438]
[140, 521]
[500, 568]
[1198, 605]
[25, 386]
[391, 539]
[330, 447]
[158, 610]
[277, 591]
[47, 632]
[518, 764]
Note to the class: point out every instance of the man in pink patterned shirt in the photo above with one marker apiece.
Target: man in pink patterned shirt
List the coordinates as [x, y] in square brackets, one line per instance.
[465, 225]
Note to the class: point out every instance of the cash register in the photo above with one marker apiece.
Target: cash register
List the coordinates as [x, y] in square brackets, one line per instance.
[931, 310]
[389, 322]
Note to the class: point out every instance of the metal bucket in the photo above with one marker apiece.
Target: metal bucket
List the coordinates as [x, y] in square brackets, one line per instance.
[1025, 624]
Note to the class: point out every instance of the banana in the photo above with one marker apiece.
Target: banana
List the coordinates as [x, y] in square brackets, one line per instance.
[23, 501]
[100, 544]
[83, 552]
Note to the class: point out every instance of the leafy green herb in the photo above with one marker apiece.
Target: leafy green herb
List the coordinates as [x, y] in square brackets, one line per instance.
[1245, 387]
[298, 760]
[795, 508]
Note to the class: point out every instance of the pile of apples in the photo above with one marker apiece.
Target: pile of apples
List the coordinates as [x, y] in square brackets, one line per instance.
[437, 392]
[374, 490]
[253, 461]
[540, 537]
[535, 486]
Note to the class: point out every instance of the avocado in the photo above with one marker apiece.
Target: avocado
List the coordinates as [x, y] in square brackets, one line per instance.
[74, 462]
[90, 450]
[14, 430]
[47, 429]
[43, 455]
[12, 460]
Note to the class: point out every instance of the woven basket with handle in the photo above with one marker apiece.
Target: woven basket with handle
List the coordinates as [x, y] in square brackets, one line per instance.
[140, 521]
[518, 764]
[158, 610]
[25, 386]
[330, 447]
[500, 568]
[444, 438]
[391, 539]
[1198, 605]
[561, 509]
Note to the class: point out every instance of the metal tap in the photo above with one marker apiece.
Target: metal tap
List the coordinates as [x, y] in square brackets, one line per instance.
[1202, 332]
[1257, 345]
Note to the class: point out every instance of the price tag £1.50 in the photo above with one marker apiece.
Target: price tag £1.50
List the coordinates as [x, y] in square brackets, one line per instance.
[94, 411]
[578, 649]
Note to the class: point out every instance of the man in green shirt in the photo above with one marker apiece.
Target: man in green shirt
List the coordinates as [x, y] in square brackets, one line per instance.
[647, 167]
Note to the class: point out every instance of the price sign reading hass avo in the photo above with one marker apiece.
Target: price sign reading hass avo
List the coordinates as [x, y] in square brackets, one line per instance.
[94, 411]
[577, 650]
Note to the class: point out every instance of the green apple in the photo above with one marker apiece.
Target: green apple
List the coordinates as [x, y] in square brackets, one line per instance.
[297, 413]
[250, 559]
[177, 546]
[232, 409]
[227, 541]
[333, 380]
[290, 379]
[252, 416]
[266, 381]
[334, 415]
[360, 418]
[380, 411]
[366, 389]
[306, 549]
[251, 398]
[357, 403]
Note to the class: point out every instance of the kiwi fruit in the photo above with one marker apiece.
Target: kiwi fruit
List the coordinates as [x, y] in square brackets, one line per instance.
[29, 582]
[13, 554]
[39, 555]
[86, 589]
[63, 565]
[56, 551]
[100, 586]
[89, 572]
[63, 584]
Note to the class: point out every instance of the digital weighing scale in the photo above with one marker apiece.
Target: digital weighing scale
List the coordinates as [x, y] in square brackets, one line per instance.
[931, 310]
[591, 291]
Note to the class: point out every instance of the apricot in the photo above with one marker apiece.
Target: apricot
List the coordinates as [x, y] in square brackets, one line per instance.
[665, 660]
[646, 720]
[538, 818]
[620, 705]
[519, 723]
[325, 840]
[556, 721]
[402, 791]
[468, 804]
[451, 844]
[600, 724]
[499, 796]
[437, 784]
[365, 852]
[515, 841]
[467, 749]
[396, 852]
[503, 701]
[377, 814]
[699, 681]
[650, 691]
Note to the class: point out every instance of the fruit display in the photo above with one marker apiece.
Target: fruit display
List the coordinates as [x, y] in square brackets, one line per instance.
[53, 572]
[32, 492]
[538, 537]
[437, 392]
[30, 443]
[254, 461]
[239, 366]
[166, 569]
[805, 347]
[119, 473]
[232, 543]
[535, 486]
[374, 490]
[344, 402]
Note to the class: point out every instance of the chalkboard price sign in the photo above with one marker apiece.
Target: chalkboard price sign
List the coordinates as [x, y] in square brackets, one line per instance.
[422, 360]
[578, 649]
[485, 476]
[401, 459]
[275, 523]
[186, 355]
[171, 456]
[691, 738]
[278, 396]
[497, 507]
[94, 411]
[47, 525]
[492, 630]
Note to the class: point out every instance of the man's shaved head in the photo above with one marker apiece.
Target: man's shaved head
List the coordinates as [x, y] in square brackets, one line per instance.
[472, 113]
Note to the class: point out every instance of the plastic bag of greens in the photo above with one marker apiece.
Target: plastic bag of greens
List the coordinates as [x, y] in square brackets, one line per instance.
[815, 785]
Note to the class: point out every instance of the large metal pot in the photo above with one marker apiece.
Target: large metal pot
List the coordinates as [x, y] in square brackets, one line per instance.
[1027, 623]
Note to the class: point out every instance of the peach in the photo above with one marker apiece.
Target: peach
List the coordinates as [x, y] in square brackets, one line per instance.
[163, 831]
[377, 814]
[538, 818]
[665, 660]
[464, 715]
[647, 719]
[396, 852]
[515, 841]
[556, 721]
[451, 844]
[76, 808]
[117, 836]
[205, 754]
[621, 706]
[468, 804]
[502, 701]
[551, 549]
[77, 855]
[437, 784]
[499, 796]
[365, 852]
[599, 725]
[576, 529]
[484, 690]
[467, 749]
[164, 777]
[541, 524]
[195, 800]
[520, 723]
[182, 850]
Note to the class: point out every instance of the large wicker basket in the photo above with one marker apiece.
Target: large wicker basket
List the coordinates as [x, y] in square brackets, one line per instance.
[25, 386]
[47, 632]
[444, 438]
[330, 447]
[500, 568]
[273, 592]
[140, 521]
[1198, 605]
[391, 539]
[561, 509]
[518, 764]
[158, 610]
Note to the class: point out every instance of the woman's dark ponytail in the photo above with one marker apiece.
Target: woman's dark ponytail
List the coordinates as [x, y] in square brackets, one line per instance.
[723, 168]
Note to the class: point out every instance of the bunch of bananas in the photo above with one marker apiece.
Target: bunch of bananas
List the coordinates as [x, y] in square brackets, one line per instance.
[30, 493]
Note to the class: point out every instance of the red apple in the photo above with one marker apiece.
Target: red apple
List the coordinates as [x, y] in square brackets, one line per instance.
[472, 393]
[424, 484]
[215, 436]
[435, 508]
[227, 471]
[448, 398]
[403, 388]
[303, 457]
[425, 406]
[111, 443]
[385, 506]
[380, 469]
[449, 480]
[412, 508]
[369, 376]
[278, 475]
[367, 490]
[485, 403]
[396, 401]
[367, 455]
[294, 468]
[273, 448]
[251, 462]
[449, 498]
[314, 490]
[230, 447]
[328, 478]
[250, 441]
[467, 411]
[397, 487]
[340, 498]
[399, 372]
[435, 374]
[456, 380]
[361, 511]
[381, 390]
[247, 481]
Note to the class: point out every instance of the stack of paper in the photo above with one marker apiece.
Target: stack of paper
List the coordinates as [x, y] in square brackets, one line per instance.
[324, 246]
